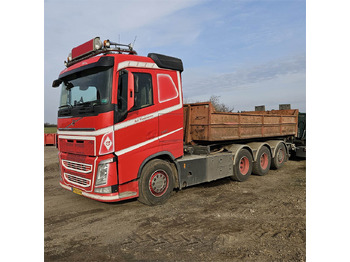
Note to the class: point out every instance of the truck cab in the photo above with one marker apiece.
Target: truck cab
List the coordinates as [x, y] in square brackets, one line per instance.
[117, 112]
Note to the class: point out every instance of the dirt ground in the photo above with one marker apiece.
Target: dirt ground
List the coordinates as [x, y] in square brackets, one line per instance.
[262, 219]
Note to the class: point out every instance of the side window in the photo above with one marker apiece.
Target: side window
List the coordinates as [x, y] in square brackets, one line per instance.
[166, 88]
[143, 90]
[122, 96]
[122, 91]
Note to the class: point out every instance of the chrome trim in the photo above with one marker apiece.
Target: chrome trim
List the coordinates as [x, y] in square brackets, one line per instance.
[77, 180]
[75, 164]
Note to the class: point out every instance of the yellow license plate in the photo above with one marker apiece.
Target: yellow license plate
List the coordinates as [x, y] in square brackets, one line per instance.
[77, 191]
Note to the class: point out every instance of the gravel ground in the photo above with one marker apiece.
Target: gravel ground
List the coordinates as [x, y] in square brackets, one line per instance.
[262, 219]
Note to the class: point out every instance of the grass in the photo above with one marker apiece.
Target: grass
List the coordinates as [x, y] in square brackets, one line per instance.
[50, 129]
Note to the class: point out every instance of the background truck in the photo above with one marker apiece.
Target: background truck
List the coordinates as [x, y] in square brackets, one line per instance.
[124, 132]
[300, 140]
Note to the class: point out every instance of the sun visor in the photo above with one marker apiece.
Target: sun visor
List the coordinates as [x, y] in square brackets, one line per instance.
[104, 61]
[167, 62]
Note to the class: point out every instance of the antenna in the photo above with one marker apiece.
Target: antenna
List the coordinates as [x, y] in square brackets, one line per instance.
[133, 44]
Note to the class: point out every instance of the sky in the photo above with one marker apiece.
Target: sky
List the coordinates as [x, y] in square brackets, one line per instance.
[247, 52]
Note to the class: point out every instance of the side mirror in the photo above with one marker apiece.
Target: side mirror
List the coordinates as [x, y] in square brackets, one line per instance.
[56, 83]
[131, 91]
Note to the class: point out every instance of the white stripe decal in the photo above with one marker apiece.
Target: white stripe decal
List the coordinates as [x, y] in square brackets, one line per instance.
[65, 187]
[118, 126]
[87, 133]
[106, 198]
[180, 86]
[99, 197]
[129, 149]
[141, 119]
[136, 64]
[78, 137]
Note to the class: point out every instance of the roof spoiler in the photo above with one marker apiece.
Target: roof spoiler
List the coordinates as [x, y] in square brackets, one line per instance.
[167, 62]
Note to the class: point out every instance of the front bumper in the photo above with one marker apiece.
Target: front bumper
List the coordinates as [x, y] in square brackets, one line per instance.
[114, 197]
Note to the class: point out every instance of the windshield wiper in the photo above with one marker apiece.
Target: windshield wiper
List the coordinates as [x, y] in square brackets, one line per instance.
[65, 110]
[87, 107]
[89, 103]
[68, 105]
[83, 104]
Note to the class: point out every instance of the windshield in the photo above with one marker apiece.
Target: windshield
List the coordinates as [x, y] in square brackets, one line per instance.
[87, 88]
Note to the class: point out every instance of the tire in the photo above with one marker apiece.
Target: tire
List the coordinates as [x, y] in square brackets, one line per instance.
[156, 182]
[280, 157]
[263, 162]
[243, 166]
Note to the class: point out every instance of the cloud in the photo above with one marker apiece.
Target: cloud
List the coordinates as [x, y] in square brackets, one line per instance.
[69, 23]
[271, 83]
[225, 45]
[244, 78]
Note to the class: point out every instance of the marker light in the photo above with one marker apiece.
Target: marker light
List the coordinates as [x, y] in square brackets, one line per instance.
[69, 58]
[106, 43]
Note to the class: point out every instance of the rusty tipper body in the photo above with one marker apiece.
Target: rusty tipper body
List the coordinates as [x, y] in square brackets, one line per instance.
[122, 128]
[202, 123]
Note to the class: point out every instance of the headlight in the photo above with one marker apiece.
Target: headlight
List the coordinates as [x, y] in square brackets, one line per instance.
[102, 172]
[97, 43]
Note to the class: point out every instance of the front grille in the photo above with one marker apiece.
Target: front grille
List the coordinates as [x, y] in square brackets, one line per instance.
[79, 167]
[76, 180]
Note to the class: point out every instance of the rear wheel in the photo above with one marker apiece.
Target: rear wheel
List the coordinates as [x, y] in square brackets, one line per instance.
[243, 166]
[280, 157]
[263, 162]
[156, 182]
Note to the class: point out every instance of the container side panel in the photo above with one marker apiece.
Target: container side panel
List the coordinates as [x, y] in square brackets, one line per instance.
[207, 125]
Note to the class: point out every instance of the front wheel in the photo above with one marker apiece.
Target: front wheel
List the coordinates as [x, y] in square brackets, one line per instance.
[156, 182]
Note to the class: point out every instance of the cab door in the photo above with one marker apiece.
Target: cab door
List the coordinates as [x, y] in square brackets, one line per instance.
[136, 133]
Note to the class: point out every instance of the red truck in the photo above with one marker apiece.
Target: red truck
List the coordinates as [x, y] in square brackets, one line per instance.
[124, 132]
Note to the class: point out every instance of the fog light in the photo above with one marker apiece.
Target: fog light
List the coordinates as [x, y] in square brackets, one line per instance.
[103, 190]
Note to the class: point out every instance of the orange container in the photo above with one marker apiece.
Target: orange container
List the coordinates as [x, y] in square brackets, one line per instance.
[202, 123]
[50, 139]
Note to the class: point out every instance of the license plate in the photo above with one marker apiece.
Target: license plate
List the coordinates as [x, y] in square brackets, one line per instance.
[77, 191]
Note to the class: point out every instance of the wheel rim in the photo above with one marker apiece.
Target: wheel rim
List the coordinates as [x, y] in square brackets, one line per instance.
[244, 165]
[280, 156]
[264, 161]
[158, 183]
